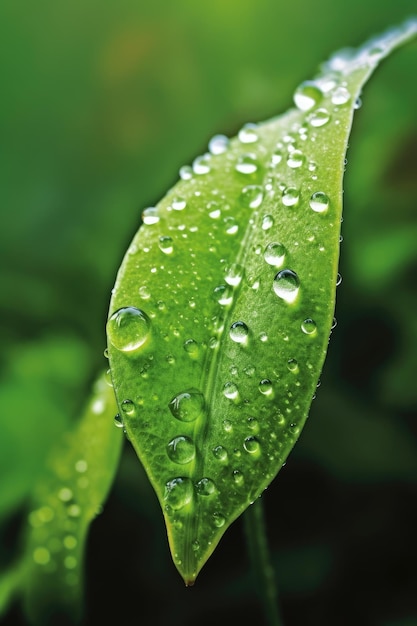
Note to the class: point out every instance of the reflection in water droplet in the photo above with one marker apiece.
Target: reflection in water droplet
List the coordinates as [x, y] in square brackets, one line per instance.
[233, 274]
[218, 144]
[319, 118]
[267, 222]
[295, 159]
[220, 453]
[286, 285]
[307, 95]
[274, 254]
[309, 326]
[181, 449]
[187, 406]
[292, 365]
[247, 164]
[319, 202]
[224, 294]
[290, 196]
[265, 386]
[166, 245]
[251, 445]
[231, 391]
[178, 493]
[252, 196]
[239, 332]
[206, 487]
[128, 329]
[248, 133]
[150, 216]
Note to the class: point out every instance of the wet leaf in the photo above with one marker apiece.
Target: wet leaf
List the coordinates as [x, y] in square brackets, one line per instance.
[223, 307]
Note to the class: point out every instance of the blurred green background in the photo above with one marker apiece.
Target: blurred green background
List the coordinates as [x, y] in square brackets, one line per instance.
[102, 102]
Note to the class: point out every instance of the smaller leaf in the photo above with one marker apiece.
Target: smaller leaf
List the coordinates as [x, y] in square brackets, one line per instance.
[79, 473]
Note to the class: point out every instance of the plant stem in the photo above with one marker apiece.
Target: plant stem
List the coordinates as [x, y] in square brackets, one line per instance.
[256, 540]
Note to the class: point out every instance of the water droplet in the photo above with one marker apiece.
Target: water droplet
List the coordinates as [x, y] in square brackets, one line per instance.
[150, 216]
[41, 556]
[191, 347]
[252, 445]
[309, 326]
[81, 466]
[292, 365]
[340, 96]
[218, 144]
[144, 292]
[206, 487]
[231, 391]
[224, 294]
[181, 450]
[290, 196]
[319, 202]
[218, 519]
[228, 426]
[128, 407]
[186, 172]
[231, 225]
[128, 329]
[220, 453]
[214, 210]
[276, 157]
[179, 204]
[178, 493]
[247, 164]
[70, 562]
[267, 222]
[338, 279]
[166, 244]
[274, 254]
[252, 196]
[286, 285]
[70, 542]
[248, 133]
[118, 421]
[307, 95]
[334, 323]
[263, 337]
[319, 118]
[239, 332]
[295, 159]
[265, 386]
[233, 274]
[65, 494]
[74, 510]
[237, 477]
[187, 406]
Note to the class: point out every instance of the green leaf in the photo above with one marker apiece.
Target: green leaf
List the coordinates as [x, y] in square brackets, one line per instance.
[79, 473]
[223, 306]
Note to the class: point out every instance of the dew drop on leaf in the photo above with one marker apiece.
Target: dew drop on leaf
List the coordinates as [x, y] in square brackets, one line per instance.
[252, 445]
[178, 493]
[309, 326]
[206, 487]
[307, 95]
[218, 144]
[166, 244]
[319, 118]
[150, 216]
[290, 196]
[128, 329]
[295, 159]
[248, 133]
[181, 450]
[247, 164]
[319, 202]
[286, 285]
[239, 332]
[252, 196]
[275, 254]
[340, 96]
[187, 406]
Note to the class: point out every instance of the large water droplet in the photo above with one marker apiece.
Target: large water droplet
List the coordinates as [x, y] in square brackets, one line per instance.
[201, 165]
[218, 144]
[248, 133]
[265, 386]
[224, 294]
[290, 196]
[319, 118]
[150, 216]
[128, 407]
[309, 326]
[275, 254]
[128, 329]
[319, 202]
[186, 172]
[307, 95]
[166, 245]
[191, 347]
[252, 196]
[231, 391]
[295, 159]
[252, 445]
[187, 406]
[220, 453]
[286, 285]
[247, 164]
[206, 487]
[179, 204]
[340, 96]
[181, 450]
[233, 274]
[178, 493]
[239, 332]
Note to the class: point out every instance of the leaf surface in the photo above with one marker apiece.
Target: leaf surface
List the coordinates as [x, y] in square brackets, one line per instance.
[223, 307]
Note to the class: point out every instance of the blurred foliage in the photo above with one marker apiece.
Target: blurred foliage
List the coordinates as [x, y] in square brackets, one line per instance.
[102, 102]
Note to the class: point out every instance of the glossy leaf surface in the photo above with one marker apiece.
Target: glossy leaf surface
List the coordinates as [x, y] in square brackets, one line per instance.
[223, 307]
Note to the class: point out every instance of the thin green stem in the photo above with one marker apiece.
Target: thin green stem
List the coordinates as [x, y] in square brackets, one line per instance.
[258, 550]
